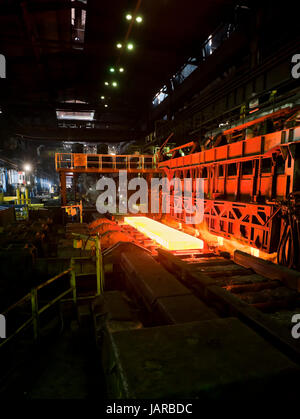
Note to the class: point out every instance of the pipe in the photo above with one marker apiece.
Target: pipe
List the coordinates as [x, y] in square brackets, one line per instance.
[26, 196]
[18, 196]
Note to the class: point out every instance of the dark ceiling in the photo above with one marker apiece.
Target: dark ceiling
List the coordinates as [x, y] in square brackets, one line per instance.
[47, 64]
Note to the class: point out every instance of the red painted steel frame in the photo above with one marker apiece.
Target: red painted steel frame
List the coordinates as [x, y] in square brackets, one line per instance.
[243, 182]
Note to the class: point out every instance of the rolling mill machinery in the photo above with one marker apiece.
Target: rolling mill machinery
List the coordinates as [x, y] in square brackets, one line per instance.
[251, 178]
[251, 183]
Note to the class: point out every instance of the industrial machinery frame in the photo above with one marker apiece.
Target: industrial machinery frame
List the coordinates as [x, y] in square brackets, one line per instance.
[70, 164]
[247, 178]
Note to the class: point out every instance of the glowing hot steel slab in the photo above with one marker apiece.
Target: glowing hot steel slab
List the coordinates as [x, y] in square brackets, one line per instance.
[167, 237]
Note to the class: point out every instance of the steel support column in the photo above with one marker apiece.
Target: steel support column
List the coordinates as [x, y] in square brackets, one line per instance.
[63, 188]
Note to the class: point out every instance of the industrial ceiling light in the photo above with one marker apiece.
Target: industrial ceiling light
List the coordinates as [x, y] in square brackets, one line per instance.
[112, 70]
[102, 97]
[139, 19]
[27, 167]
[115, 84]
[128, 16]
[77, 115]
[106, 83]
[130, 46]
[121, 69]
[106, 106]
[119, 45]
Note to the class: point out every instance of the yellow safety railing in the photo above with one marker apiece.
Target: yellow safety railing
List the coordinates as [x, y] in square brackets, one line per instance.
[99, 261]
[35, 311]
[104, 162]
[72, 210]
[33, 294]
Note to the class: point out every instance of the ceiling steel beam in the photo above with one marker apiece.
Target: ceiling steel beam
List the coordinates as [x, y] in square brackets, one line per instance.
[78, 134]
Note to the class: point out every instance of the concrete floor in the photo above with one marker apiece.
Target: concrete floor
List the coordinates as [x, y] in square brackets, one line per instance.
[69, 371]
[68, 367]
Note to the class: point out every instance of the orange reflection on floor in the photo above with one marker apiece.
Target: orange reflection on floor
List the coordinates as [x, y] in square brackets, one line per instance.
[166, 236]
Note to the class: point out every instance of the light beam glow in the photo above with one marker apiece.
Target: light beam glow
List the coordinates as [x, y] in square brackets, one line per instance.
[27, 167]
[254, 252]
[166, 236]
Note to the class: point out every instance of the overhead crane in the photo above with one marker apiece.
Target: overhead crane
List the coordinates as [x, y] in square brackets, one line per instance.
[70, 164]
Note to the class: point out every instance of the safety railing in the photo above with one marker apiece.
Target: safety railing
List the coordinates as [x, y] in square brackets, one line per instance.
[32, 296]
[21, 212]
[103, 162]
[99, 261]
[72, 210]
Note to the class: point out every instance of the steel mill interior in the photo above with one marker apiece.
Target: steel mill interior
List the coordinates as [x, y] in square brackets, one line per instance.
[149, 202]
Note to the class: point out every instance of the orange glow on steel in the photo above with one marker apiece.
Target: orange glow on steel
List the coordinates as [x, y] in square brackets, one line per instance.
[164, 235]
[254, 252]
